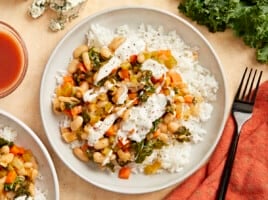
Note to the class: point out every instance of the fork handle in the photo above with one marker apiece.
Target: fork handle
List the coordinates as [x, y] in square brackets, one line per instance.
[228, 166]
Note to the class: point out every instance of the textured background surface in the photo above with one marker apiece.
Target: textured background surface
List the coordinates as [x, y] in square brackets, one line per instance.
[40, 41]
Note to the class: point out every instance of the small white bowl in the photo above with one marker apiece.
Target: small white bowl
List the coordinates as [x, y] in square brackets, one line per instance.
[48, 182]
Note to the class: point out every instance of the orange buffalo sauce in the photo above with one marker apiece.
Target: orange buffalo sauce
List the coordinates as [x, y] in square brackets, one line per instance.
[12, 62]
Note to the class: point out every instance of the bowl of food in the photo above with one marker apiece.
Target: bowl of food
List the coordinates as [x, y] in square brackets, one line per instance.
[133, 99]
[26, 168]
[13, 59]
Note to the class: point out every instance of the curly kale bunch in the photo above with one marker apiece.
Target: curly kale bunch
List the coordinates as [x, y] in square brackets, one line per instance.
[247, 18]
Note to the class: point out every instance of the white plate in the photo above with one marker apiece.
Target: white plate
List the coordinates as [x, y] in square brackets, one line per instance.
[48, 183]
[133, 16]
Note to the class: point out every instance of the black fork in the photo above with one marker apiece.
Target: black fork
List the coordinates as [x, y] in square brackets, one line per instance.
[241, 110]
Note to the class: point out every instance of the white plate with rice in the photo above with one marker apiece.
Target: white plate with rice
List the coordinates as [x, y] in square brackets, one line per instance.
[153, 30]
[14, 130]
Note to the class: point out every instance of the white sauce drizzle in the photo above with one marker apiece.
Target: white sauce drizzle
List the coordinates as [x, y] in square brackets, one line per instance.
[106, 69]
[91, 94]
[157, 69]
[130, 47]
[123, 97]
[141, 118]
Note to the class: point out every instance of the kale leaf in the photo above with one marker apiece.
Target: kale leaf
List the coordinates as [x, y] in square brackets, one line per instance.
[247, 18]
[215, 14]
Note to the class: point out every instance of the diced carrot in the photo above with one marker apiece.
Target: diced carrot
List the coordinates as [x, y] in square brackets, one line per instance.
[68, 113]
[111, 131]
[156, 133]
[188, 98]
[16, 150]
[68, 79]
[123, 144]
[124, 173]
[133, 59]
[124, 74]
[175, 77]
[11, 176]
[66, 89]
[136, 101]
[164, 54]
[132, 95]
[76, 110]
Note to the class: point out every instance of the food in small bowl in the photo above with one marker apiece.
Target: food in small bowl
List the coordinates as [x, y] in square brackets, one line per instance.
[134, 100]
[13, 59]
[26, 169]
[18, 171]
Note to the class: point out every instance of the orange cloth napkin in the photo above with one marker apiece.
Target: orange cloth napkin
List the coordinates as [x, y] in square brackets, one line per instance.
[249, 179]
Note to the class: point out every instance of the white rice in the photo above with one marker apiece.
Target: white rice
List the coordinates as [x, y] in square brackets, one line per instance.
[199, 80]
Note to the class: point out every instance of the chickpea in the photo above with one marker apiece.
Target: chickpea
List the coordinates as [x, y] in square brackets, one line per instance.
[79, 50]
[163, 127]
[76, 123]
[34, 174]
[124, 156]
[28, 165]
[56, 105]
[6, 159]
[116, 42]
[163, 137]
[101, 143]
[86, 60]
[179, 99]
[84, 86]
[168, 118]
[32, 189]
[105, 52]
[4, 149]
[72, 67]
[173, 126]
[80, 154]
[141, 58]
[98, 157]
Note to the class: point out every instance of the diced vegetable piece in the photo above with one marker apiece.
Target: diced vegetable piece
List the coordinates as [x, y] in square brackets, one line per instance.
[124, 74]
[152, 169]
[11, 176]
[124, 173]
[175, 77]
[188, 98]
[16, 150]
[111, 131]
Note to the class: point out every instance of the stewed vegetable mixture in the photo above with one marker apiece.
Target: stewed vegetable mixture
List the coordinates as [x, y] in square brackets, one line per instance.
[121, 110]
[18, 171]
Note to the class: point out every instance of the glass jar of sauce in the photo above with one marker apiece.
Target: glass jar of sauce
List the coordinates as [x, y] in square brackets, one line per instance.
[13, 59]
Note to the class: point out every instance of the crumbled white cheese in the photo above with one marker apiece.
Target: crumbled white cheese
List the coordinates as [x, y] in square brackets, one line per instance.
[37, 8]
[65, 10]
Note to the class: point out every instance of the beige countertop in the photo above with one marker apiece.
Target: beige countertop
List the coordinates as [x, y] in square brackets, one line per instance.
[40, 41]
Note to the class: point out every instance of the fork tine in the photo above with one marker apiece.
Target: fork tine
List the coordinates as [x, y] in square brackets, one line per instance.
[246, 86]
[256, 88]
[240, 85]
[250, 92]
